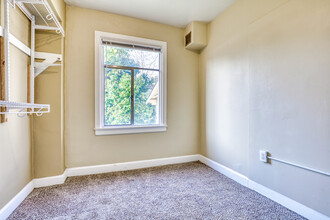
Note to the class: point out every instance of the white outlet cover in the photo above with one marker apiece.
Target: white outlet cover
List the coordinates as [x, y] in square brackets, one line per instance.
[263, 156]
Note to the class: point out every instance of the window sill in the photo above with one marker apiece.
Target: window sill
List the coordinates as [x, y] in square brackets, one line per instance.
[129, 129]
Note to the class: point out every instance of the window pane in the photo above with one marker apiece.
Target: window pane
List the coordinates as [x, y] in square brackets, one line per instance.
[117, 103]
[146, 96]
[130, 57]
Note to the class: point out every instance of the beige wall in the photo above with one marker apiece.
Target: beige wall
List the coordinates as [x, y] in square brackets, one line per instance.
[59, 9]
[265, 85]
[82, 146]
[15, 142]
[48, 141]
[48, 149]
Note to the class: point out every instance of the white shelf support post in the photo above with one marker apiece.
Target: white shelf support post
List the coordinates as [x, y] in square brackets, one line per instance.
[32, 61]
[7, 56]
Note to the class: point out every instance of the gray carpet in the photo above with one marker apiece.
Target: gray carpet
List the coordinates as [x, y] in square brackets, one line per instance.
[184, 191]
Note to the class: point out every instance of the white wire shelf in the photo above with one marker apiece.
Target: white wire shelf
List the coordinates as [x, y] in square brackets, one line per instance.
[22, 109]
[44, 16]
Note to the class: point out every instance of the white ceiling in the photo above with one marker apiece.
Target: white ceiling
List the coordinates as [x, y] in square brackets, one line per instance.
[173, 12]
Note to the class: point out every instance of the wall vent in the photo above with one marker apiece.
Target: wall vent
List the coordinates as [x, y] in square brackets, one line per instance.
[188, 39]
[195, 38]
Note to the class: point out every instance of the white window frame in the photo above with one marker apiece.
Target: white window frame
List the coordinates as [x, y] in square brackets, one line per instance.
[100, 128]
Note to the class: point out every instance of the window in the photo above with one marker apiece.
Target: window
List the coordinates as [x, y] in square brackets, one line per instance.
[130, 84]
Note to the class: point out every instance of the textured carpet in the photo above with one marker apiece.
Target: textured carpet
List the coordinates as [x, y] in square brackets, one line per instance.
[184, 191]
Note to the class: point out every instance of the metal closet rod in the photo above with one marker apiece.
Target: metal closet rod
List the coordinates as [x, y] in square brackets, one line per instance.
[299, 166]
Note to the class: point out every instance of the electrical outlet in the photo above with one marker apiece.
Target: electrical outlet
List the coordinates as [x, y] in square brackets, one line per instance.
[263, 156]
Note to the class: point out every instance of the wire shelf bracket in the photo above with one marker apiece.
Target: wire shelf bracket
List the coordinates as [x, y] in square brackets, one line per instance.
[50, 59]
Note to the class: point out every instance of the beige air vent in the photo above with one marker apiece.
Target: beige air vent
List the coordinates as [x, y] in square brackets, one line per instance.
[195, 38]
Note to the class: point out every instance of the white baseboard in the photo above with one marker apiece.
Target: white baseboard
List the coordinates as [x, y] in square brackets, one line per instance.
[88, 170]
[275, 196]
[107, 168]
[243, 180]
[49, 181]
[287, 202]
[16, 201]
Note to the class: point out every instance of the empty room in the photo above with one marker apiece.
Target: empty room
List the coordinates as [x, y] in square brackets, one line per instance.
[165, 109]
